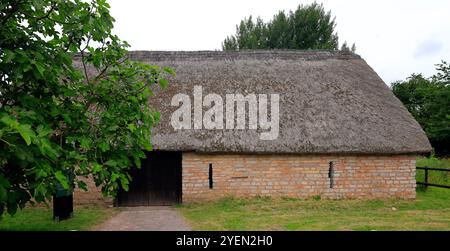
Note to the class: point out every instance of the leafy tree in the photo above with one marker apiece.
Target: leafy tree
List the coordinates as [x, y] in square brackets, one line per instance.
[279, 34]
[428, 100]
[56, 119]
[309, 27]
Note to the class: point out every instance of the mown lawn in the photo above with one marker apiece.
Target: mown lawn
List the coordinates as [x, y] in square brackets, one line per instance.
[40, 219]
[430, 211]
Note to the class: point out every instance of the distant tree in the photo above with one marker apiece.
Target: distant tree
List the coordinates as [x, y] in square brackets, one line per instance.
[309, 27]
[345, 47]
[353, 49]
[278, 31]
[428, 100]
[230, 43]
[251, 34]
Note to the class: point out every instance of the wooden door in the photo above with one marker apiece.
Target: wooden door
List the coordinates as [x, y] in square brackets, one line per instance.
[157, 182]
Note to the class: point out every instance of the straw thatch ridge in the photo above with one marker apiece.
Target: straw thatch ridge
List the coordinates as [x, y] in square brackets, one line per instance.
[330, 102]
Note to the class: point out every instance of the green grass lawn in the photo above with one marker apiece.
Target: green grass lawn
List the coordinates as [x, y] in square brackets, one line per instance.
[40, 219]
[430, 211]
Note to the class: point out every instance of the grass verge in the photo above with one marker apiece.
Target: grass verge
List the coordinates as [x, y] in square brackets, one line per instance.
[430, 211]
[40, 219]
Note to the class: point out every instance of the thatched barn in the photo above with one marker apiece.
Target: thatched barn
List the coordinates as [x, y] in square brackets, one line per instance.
[341, 132]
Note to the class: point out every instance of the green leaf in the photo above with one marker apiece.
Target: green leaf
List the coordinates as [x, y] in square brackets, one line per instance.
[46, 148]
[10, 121]
[62, 179]
[156, 116]
[43, 131]
[163, 82]
[137, 162]
[82, 185]
[41, 174]
[9, 55]
[27, 114]
[26, 133]
[39, 192]
[3, 195]
[104, 146]
[147, 146]
[114, 177]
[124, 182]
[85, 143]
[113, 128]
[40, 68]
[170, 71]
[131, 127]
[96, 168]
[147, 92]
[111, 163]
[23, 129]
[4, 182]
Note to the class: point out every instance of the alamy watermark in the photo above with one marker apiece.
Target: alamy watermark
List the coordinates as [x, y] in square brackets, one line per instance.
[232, 109]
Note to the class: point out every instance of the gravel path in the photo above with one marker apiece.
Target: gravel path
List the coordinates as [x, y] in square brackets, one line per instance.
[155, 218]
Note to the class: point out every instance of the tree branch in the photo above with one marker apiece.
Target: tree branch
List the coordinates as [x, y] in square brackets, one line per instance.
[14, 9]
[47, 15]
[83, 58]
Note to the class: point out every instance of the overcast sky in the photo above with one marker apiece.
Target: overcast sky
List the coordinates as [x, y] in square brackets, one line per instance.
[396, 38]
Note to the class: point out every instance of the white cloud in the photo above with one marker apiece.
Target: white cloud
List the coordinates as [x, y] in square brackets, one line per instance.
[388, 34]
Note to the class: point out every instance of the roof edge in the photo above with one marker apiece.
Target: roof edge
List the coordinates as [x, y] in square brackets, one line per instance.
[243, 54]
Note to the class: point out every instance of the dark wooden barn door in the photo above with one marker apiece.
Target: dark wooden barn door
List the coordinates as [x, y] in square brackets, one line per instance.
[157, 182]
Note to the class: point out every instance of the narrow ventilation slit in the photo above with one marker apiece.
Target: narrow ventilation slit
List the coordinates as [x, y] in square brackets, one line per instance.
[331, 174]
[210, 176]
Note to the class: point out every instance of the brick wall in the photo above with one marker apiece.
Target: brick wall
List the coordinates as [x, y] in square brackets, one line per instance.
[298, 176]
[91, 197]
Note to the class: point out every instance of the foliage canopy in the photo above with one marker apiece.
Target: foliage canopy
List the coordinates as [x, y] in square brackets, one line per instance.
[308, 27]
[428, 100]
[56, 119]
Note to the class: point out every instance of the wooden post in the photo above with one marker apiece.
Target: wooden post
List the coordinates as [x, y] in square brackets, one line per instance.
[426, 179]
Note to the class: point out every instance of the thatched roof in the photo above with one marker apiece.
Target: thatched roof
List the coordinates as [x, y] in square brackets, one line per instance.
[330, 102]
